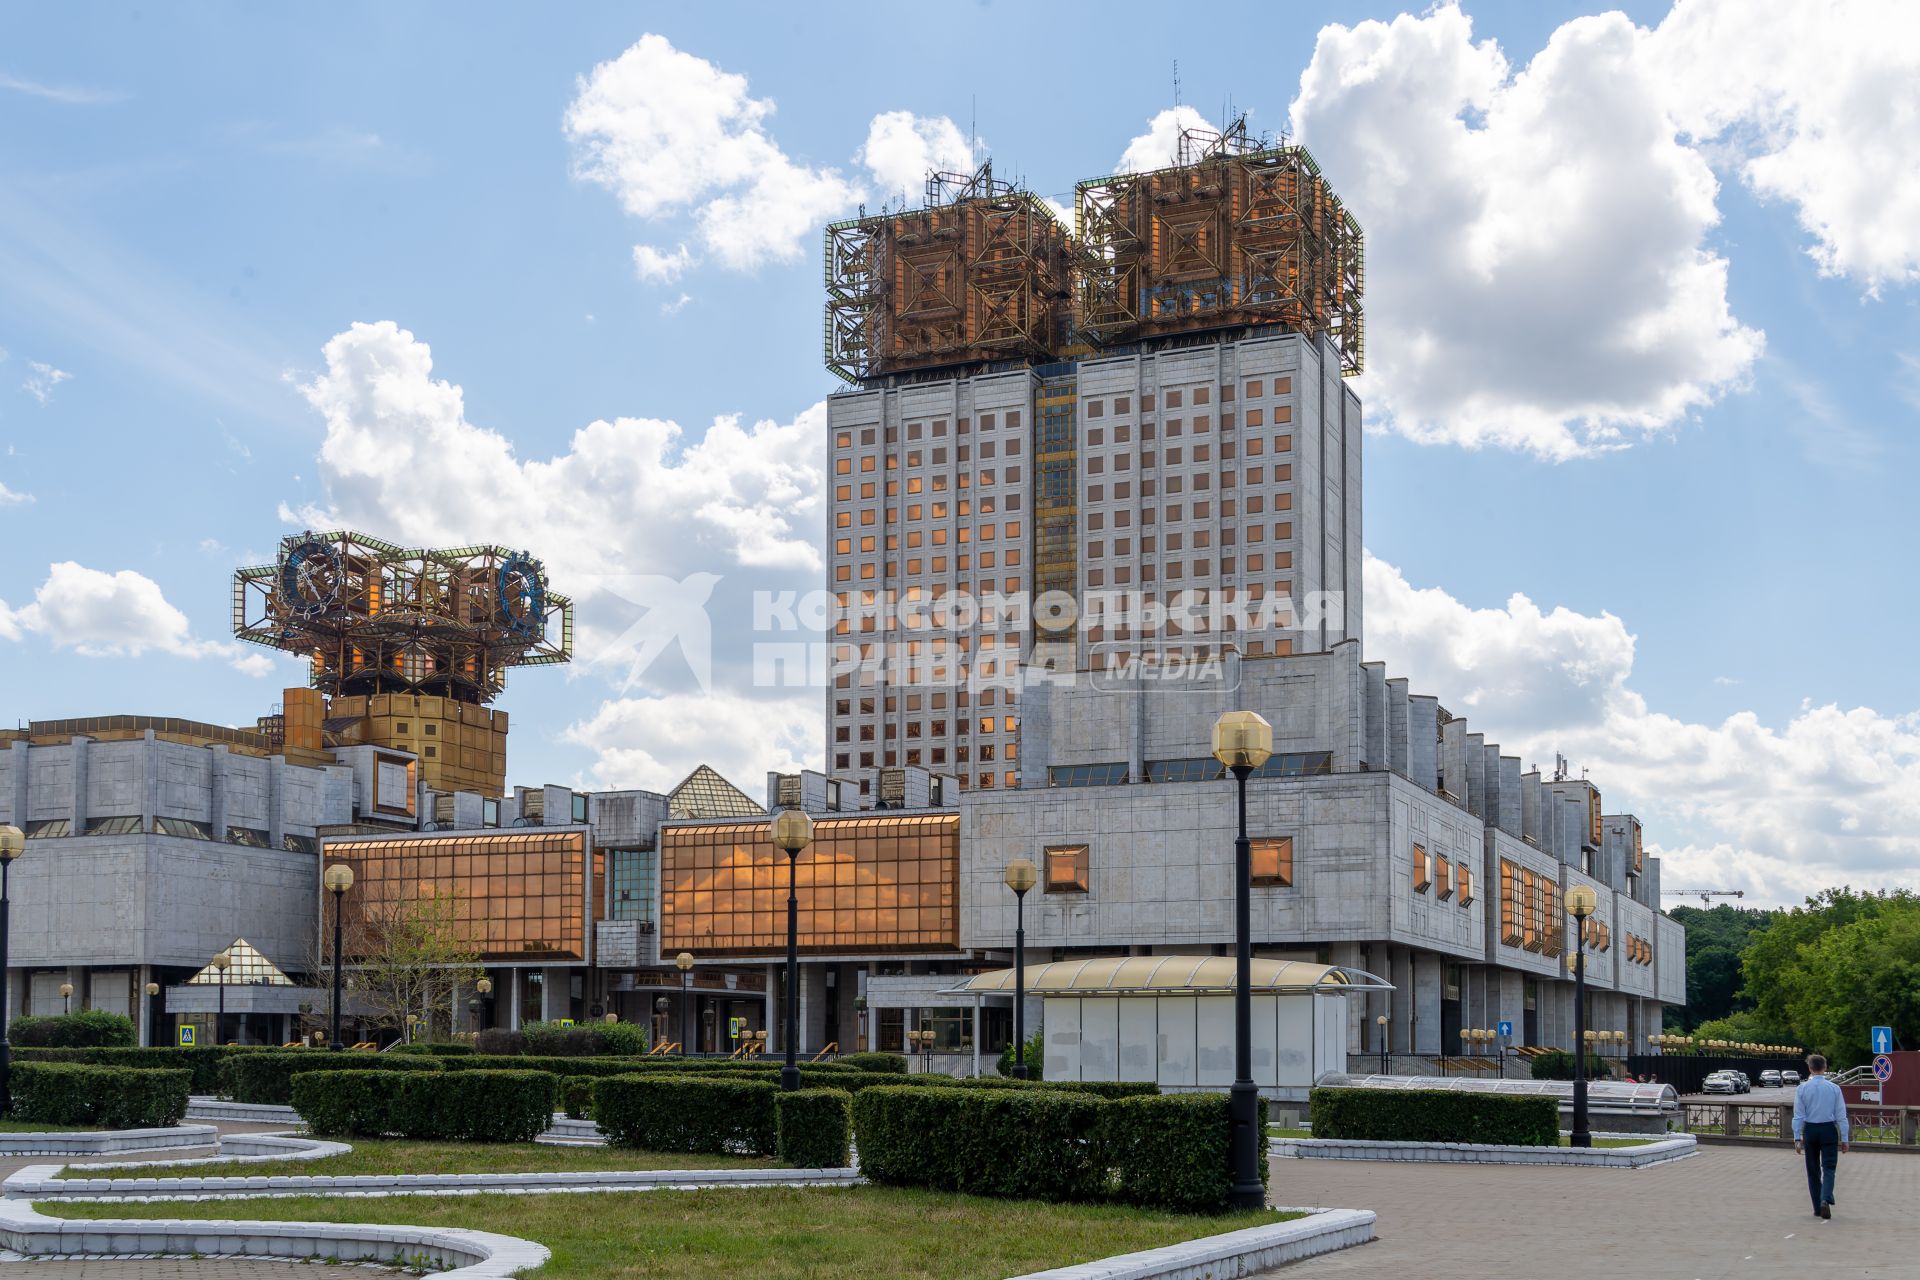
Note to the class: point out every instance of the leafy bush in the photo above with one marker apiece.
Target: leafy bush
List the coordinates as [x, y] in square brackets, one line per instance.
[1033, 1053]
[1557, 1064]
[1173, 1152]
[1434, 1115]
[593, 1039]
[1034, 1143]
[471, 1106]
[436, 1048]
[268, 1077]
[87, 1029]
[207, 1062]
[576, 1096]
[498, 1041]
[1099, 1088]
[116, 1097]
[559, 1066]
[890, 1062]
[812, 1128]
[687, 1113]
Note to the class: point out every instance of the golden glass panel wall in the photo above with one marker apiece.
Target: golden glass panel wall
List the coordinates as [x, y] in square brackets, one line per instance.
[515, 895]
[865, 884]
[1272, 861]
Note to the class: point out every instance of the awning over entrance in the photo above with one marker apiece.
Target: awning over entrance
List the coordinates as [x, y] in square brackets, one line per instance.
[1171, 975]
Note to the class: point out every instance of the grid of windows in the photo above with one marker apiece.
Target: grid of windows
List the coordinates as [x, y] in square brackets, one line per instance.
[1509, 904]
[864, 884]
[1087, 775]
[1299, 764]
[634, 877]
[514, 895]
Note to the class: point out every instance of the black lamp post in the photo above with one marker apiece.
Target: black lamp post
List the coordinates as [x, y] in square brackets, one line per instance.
[660, 1007]
[153, 989]
[792, 832]
[1022, 875]
[684, 963]
[1242, 741]
[484, 1018]
[338, 879]
[1581, 902]
[221, 963]
[13, 843]
[1381, 1022]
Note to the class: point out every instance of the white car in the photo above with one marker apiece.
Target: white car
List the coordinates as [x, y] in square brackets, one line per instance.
[1720, 1082]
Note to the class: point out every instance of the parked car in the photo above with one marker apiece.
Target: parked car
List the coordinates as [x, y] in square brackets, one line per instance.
[1770, 1079]
[1744, 1084]
[1790, 1078]
[1719, 1082]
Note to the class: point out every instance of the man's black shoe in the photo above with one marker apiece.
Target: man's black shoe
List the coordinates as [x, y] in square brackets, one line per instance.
[1826, 1210]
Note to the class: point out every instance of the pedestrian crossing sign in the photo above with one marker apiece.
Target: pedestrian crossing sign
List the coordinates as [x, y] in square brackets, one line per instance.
[186, 1035]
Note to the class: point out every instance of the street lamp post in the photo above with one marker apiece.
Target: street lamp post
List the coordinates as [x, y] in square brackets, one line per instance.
[221, 963]
[13, 843]
[1381, 1022]
[684, 963]
[66, 997]
[1021, 876]
[338, 879]
[792, 832]
[660, 1007]
[483, 1017]
[1242, 741]
[1581, 902]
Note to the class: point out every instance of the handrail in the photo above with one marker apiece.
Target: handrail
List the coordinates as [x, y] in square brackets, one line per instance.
[833, 1047]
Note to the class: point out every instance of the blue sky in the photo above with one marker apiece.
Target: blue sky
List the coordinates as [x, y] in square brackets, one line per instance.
[1696, 433]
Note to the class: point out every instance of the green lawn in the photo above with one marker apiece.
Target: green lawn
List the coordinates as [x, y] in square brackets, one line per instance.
[795, 1233]
[393, 1155]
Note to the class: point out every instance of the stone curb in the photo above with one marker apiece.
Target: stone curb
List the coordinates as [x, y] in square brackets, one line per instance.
[1230, 1254]
[37, 1182]
[243, 1148]
[563, 1132]
[111, 1140]
[473, 1255]
[1678, 1147]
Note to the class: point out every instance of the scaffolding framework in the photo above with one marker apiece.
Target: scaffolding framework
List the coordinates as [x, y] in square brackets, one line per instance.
[374, 618]
[982, 272]
[1241, 232]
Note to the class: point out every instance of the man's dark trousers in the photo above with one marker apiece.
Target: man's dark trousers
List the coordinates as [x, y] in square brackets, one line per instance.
[1822, 1143]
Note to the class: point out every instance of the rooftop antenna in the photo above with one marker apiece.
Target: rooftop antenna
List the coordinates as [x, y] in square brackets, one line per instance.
[1176, 82]
[973, 130]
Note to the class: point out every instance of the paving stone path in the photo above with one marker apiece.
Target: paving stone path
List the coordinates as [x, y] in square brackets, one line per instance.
[1727, 1212]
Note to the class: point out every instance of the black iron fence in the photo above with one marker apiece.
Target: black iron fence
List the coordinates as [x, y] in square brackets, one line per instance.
[1687, 1072]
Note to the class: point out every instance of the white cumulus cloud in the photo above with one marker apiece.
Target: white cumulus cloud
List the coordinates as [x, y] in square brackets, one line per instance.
[656, 266]
[1159, 146]
[1539, 273]
[12, 498]
[653, 742]
[1830, 797]
[668, 132]
[116, 615]
[1816, 103]
[901, 147]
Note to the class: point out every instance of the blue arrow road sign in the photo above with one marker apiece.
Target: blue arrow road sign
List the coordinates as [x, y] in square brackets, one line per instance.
[1883, 1039]
[1506, 1028]
[1883, 1068]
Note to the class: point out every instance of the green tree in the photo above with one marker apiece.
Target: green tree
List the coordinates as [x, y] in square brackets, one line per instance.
[1716, 940]
[408, 955]
[1862, 974]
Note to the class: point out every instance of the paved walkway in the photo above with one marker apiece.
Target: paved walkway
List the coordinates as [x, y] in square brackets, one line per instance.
[1727, 1212]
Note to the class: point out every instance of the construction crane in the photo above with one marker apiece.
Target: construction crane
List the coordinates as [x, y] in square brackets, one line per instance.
[1705, 895]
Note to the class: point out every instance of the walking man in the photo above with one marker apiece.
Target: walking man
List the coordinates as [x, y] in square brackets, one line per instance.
[1820, 1131]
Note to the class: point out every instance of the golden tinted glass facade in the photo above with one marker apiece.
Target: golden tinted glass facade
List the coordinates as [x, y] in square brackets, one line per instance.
[878, 883]
[517, 895]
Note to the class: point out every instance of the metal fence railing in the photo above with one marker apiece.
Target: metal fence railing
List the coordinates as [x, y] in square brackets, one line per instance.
[1773, 1122]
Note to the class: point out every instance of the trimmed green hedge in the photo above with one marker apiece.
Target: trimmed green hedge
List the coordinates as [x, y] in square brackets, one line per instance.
[813, 1128]
[206, 1063]
[87, 1029]
[1172, 1152]
[268, 1077]
[472, 1106]
[687, 1113]
[1052, 1144]
[436, 1049]
[576, 1096]
[1040, 1144]
[1557, 1064]
[1434, 1115]
[114, 1097]
[889, 1062]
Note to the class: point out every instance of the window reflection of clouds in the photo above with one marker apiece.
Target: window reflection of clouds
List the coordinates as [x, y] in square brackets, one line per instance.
[864, 883]
[516, 895]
